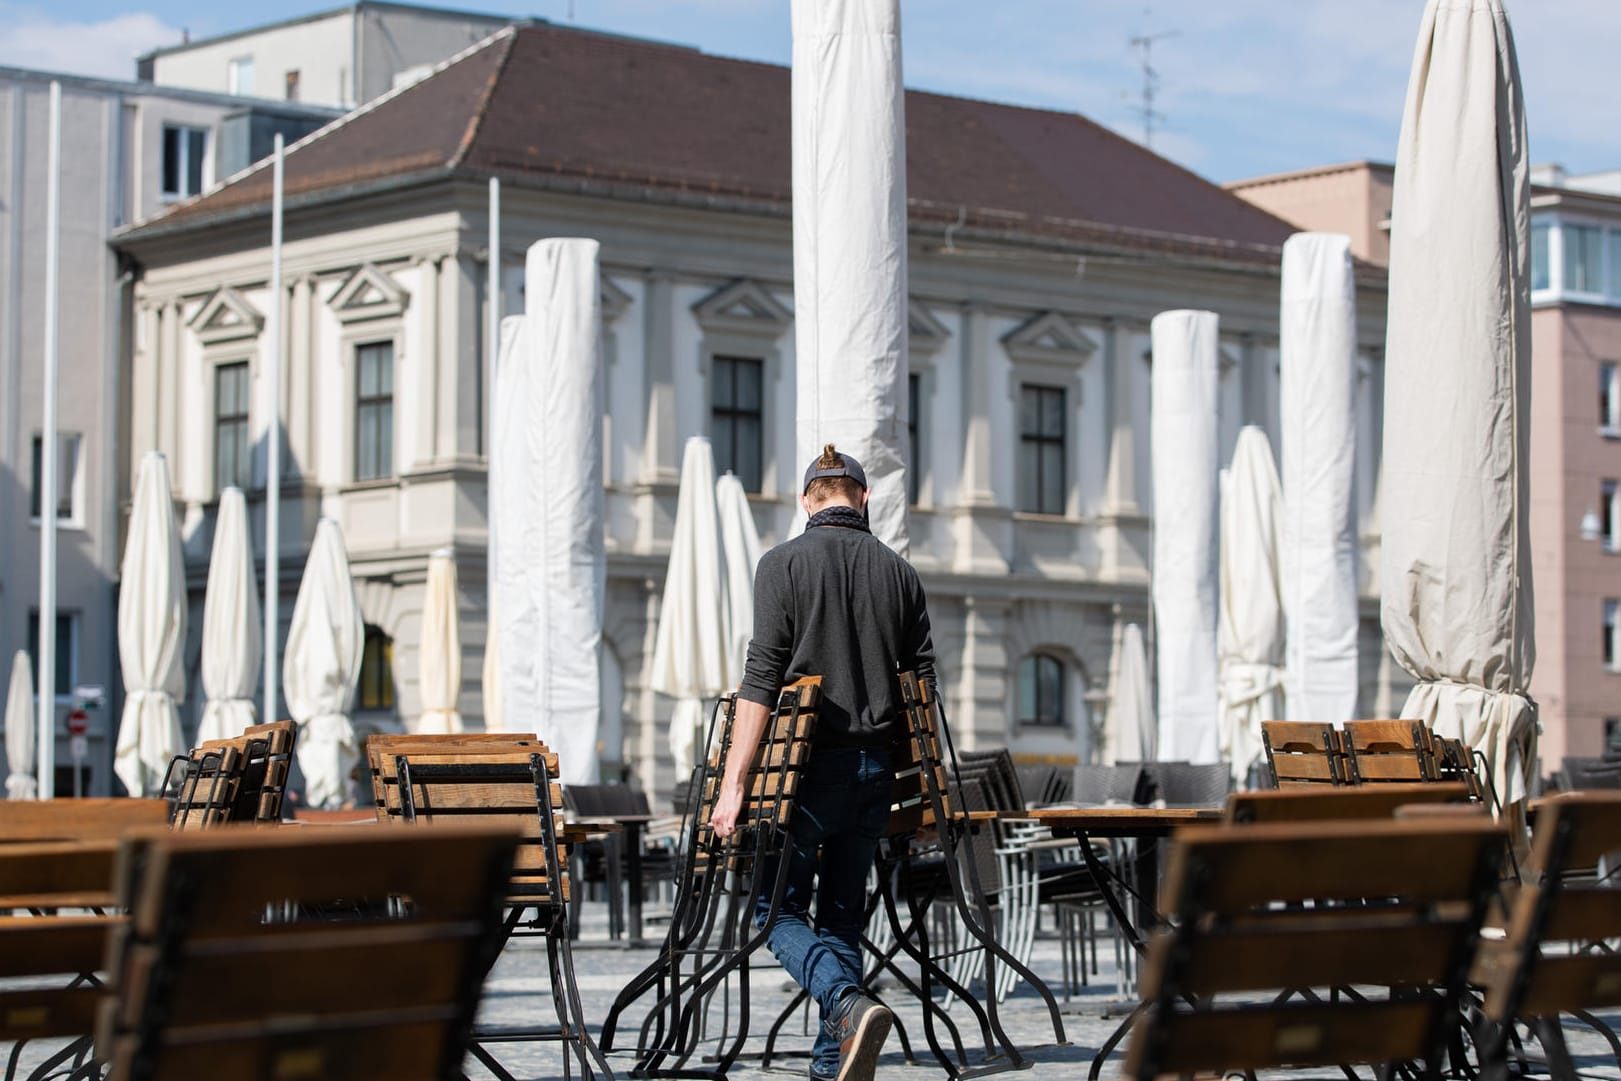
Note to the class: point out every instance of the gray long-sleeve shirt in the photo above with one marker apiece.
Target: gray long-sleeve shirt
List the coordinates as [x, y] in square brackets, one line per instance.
[836, 602]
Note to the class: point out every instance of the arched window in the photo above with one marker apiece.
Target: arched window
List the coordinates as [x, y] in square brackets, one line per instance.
[1041, 691]
[376, 671]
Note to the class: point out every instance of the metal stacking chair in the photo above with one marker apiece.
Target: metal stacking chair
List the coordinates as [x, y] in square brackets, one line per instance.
[240, 779]
[712, 933]
[1251, 978]
[1558, 956]
[1304, 753]
[510, 782]
[1587, 774]
[207, 985]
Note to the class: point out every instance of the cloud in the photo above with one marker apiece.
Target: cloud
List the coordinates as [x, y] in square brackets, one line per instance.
[107, 48]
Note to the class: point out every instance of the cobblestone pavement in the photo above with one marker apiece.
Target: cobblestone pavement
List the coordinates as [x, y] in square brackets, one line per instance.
[516, 994]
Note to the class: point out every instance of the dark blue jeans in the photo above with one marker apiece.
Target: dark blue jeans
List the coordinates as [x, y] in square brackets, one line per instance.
[843, 806]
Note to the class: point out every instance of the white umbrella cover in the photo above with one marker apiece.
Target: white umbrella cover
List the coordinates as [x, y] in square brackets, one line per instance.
[439, 650]
[322, 666]
[740, 545]
[690, 652]
[850, 306]
[231, 625]
[20, 783]
[511, 343]
[1317, 385]
[547, 508]
[1456, 567]
[1251, 634]
[1134, 729]
[1183, 446]
[151, 630]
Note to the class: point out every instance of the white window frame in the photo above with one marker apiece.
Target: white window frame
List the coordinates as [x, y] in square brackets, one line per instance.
[1612, 631]
[74, 631]
[1608, 293]
[1610, 498]
[1610, 378]
[206, 179]
[234, 69]
[75, 515]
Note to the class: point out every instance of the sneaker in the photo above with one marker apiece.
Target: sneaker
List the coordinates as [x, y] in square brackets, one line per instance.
[861, 1026]
[818, 1075]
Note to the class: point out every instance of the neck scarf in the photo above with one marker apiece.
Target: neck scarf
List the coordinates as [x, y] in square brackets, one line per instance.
[847, 517]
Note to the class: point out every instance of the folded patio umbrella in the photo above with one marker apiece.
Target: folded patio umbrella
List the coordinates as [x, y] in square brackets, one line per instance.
[231, 625]
[740, 547]
[1317, 383]
[20, 783]
[1456, 567]
[850, 305]
[322, 666]
[1182, 439]
[439, 650]
[1132, 726]
[546, 507]
[1251, 630]
[151, 631]
[511, 342]
[691, 659]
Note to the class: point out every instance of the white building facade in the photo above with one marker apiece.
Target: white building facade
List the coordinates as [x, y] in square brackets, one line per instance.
[1031, 582]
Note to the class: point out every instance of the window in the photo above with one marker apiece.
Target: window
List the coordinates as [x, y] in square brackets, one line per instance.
[374, 411]
[292, 85]
[1612, 737]
[1041, 449]
[1584, 259]
[66, 660]
[736, 418]
[69, 482]
[1609, 516]
[1609, 396]
[1613, 259]
[1611, 646]
[185, 153]
[232, 462]
[239, 75]
[914, 472]
[376, 689]
[1539, 255]
[1041, 691]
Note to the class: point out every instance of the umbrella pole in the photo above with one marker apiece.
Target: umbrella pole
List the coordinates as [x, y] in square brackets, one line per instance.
[273, 446]
[48, 463]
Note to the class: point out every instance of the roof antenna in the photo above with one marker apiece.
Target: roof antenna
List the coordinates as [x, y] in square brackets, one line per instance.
[1144, 44]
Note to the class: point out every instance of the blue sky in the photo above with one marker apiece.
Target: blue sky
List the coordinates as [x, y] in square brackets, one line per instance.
[1247, 86]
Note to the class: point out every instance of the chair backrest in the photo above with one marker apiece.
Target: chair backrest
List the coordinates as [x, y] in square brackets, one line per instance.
[1590, 774]
[209, 777]
[1045, 783]
[206, 986]
[1390, 750]
[1192, 784]
[1003, 783]
[507, 785]
[1303, 753]
[1121, 783]
[264, 780]
[77, 819]
[1324, 803]
[1555, 959]
[921, 778]
[49, 955]
[381, 745]
[1235, 899]
[605, 800]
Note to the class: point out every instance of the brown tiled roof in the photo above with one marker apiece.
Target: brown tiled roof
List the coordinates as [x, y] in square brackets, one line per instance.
[620, 116]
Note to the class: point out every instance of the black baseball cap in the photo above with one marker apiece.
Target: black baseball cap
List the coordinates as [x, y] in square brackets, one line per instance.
[847, 467]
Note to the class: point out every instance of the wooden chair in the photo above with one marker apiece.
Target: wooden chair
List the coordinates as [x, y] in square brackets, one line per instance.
[511, 782]
[1232, 986]
[1382, 751]
[1556, 958]
[77, 819]
[206, 986]
[1304, 753]
[1322, 803]
[54, 956]
[381, 745]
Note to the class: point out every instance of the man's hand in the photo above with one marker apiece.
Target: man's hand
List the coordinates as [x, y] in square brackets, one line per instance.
[727, 807]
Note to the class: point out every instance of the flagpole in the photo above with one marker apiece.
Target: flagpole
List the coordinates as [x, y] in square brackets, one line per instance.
[273, 445]
[47, 456]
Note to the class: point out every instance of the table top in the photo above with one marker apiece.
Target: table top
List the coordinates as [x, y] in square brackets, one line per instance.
[1123, 821]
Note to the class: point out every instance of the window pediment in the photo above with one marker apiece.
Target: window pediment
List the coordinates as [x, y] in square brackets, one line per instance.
[226, 316]
[1050, 338]
[612, 299]
[925, 333]
[368, 293]
[743, 307]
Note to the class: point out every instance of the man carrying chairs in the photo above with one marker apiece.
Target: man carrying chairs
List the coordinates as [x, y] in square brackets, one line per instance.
[834, 602]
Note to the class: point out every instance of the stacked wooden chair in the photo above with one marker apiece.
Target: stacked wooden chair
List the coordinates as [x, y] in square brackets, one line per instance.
[508, 780]
[713, 933]
[240, 779]
[1307, 944]
[1307, 754]
[230, 964]
[1558, 956]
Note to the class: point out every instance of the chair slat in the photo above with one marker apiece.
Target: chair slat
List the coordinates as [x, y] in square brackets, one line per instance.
[1270, 1037]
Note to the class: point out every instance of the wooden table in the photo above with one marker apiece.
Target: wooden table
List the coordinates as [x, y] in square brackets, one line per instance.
[78, 819]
